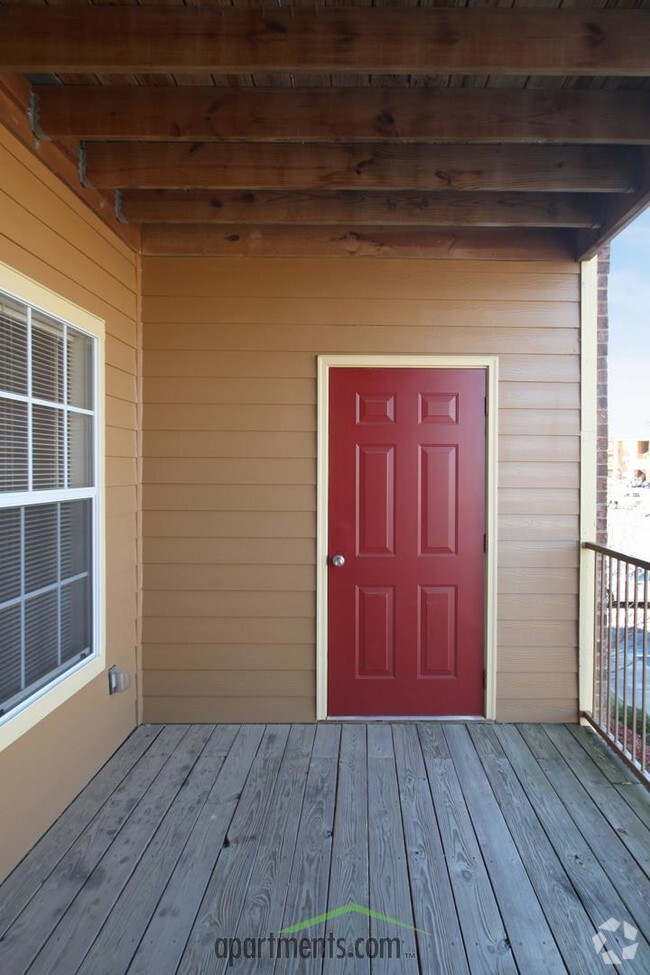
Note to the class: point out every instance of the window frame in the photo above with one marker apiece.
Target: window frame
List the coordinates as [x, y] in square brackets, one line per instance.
[53, 694]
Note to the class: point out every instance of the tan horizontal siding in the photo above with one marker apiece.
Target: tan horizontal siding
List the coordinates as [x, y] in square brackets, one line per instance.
[121, 413]
[536, 581]
[231, 709]
[233, 630]
[92, 274]
[230, 462]
[228, 444]
[228, 390]
[123, 471]
[360, 279]
[530, 709]
[119, 384]
[539, 501]
[225, 657]
[229, 683]
[538, 554]
[530, 474]
[266, 365]
[534, 528]
[530, 607]
[216, 604]
[539, 632]
[253, 525]
[231, 578]
[49, 235]
[237, 550]
[229, 497]
[517, 449]
[233, 418]
[513, 687]
[353, 337]
[539, 396]
[536, 660]
[238, 470]
[404, 312]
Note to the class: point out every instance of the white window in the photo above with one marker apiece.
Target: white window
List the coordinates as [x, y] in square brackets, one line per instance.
[49, 501]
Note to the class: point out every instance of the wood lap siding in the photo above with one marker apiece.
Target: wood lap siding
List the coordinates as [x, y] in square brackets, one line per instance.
[229, 466]
[47, 234]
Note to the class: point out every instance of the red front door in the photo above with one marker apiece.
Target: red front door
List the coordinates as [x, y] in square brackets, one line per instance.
[407, 514]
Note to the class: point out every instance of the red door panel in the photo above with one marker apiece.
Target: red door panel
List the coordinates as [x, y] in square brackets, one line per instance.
[407, 513]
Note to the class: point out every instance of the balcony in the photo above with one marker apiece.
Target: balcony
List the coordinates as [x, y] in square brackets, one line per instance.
[433, 847]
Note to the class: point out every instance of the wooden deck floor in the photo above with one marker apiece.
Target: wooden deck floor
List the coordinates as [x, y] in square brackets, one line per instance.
[506, 847]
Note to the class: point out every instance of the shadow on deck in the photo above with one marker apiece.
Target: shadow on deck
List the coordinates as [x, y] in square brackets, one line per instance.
[464, 849]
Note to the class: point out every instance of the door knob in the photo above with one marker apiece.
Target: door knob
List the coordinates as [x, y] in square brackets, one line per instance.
[338, 561]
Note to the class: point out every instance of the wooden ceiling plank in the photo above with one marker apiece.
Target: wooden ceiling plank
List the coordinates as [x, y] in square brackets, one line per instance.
[434, 41]
[339, 115]
[131, 165]
[314, 241]
[384, 209]
[619, 212]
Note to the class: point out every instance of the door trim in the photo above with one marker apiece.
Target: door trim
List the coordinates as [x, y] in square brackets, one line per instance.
[326, 362]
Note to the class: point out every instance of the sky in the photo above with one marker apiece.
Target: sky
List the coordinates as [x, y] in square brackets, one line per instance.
[629, 332]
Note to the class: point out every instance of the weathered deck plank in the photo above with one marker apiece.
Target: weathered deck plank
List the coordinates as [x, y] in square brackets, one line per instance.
[630, 789]
[263, 904]
[592, 885]
[349, 866]
[441, 947]
[31, 872]
[616, 811]
[222, 902]
[24, 939]
[618, 863]
[115, 946]
[507, 847]
[388, 872]
[484, 933]
[308, 884]
[66, 947]
[164, 941]
[520, 908]
[566, 915]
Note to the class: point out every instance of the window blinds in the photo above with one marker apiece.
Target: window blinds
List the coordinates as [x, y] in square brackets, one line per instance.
[47, 499]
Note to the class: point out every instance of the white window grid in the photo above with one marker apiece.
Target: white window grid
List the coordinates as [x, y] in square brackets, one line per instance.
[38, 496]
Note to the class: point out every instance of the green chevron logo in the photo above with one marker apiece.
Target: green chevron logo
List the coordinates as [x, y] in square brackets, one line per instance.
[349, 909]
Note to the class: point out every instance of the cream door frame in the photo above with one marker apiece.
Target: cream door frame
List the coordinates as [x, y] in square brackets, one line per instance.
[491, 365]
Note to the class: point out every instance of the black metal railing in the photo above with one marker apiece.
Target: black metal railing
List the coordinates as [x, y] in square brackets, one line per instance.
[621, 696]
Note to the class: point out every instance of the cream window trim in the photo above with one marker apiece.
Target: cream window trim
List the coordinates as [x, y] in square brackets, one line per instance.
[60, 689]
[491, 366]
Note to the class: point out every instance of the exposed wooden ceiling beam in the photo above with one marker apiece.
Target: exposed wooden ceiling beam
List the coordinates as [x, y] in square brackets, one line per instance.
[238, 241]
[344, 115]
[400, 41]
[263, 166]
[63, 161]
[618, 214]
[354, 208]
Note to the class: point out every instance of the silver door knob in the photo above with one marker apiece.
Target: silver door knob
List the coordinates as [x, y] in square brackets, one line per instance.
[338, 561]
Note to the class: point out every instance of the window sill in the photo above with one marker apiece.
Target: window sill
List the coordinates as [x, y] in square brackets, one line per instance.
[28, 715]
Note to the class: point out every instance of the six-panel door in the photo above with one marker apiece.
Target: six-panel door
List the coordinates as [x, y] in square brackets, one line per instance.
[407, 514]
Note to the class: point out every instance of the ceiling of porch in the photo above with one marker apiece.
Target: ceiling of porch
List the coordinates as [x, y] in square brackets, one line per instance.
[343, 127]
